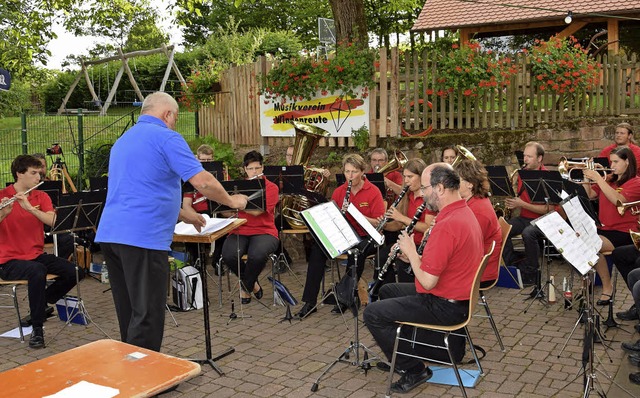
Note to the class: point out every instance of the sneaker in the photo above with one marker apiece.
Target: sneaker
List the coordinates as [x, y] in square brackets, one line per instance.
[629, 315]
[409, 381]
[37, 337]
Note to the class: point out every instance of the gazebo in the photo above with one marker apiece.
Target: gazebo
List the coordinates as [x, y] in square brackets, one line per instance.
[486, 18]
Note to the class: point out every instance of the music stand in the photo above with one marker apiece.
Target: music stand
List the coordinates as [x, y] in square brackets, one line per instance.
[77, 212]
[200, 239]
[283, 296]
[333, 233]
[290, 181]
[215, 167]
[543, 186]
[499, 181]
[376, 179]
[575, 189]
[98, 183]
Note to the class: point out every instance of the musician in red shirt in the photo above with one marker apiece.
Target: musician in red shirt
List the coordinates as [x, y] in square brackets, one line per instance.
[392, 180]
[443, 275]
[474, 188]
[529, 266]
[22, 253]
[257, 238]
[367, 198]
[622, 185]
[622, 137]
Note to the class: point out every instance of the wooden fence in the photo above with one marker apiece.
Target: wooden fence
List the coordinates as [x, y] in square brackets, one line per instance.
[399, 103]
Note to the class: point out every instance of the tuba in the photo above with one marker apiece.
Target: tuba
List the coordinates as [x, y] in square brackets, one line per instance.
[463, 153]
[398, 162]
[307, 139]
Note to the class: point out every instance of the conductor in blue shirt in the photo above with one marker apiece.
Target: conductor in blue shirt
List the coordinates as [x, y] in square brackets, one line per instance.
[146, 166]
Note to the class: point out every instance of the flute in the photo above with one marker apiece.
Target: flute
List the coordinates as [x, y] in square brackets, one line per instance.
[13, 199]
[394, 204]
[256, 176]
[373, 291]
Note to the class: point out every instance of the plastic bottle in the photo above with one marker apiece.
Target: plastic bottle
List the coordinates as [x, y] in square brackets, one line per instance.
[104, 275]
[568, 299]
[552, 290]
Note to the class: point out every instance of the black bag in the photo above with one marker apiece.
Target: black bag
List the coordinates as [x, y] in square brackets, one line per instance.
[346, 290]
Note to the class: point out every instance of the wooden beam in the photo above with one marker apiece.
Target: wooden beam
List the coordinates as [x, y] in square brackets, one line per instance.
[132, 80]
[90, 86]
[66, 97]
[613, 36]
[465, 35]
[167, 71]
[129, 55]
[112, 93]
[571, 29]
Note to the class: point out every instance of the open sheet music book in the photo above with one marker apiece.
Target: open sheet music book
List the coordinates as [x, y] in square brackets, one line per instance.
[330, 228]
[365, 224]
[213, 225]
[566, 241]
[582, 223]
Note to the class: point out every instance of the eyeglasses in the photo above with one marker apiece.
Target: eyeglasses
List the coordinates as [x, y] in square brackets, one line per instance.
[423, 188]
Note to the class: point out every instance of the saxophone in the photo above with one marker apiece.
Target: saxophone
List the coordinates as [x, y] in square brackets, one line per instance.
[373, 290]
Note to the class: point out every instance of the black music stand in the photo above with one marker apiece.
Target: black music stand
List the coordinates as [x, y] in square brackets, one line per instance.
[78, 212]
[290, 181]
[330, 228]
[376, 179]
[499, 181]
[255, 190]
[215, 167]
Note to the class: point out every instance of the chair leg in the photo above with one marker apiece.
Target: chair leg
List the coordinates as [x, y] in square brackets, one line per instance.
[473, 351]
[453, 362]
[393, 360]
[17, 308]
[493, 323]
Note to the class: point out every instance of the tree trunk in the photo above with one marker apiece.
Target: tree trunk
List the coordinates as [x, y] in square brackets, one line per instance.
[349, 20]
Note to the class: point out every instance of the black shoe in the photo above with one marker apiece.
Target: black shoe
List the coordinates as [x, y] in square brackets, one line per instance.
[409, 381]
[632, 347]
[245, 300]
[339, 309]
[26, 321]
[629, 315]
[605, 301]
[37, 337]
[383, 366]
[634, 359]
[637, 328]
[259, 293]
[634, 378]
[307, 309]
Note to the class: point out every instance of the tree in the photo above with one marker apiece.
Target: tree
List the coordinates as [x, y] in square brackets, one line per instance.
[349, 20]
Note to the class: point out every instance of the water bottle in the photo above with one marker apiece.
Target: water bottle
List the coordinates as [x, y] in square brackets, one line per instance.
[104, 275]
[568, 298]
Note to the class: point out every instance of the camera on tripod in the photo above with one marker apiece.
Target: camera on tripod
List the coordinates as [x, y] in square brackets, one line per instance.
[55, 149]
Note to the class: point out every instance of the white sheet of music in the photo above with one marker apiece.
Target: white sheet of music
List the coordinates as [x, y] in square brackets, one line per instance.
[331, 228]
[213, 225]
[365, 224]
[584, 225]
[564, 238]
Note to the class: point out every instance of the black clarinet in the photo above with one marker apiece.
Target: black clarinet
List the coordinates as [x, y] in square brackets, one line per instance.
[345, 202]
[424, 240]
[373, 290]
[394, 204]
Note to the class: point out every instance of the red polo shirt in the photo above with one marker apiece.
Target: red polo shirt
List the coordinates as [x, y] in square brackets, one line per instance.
[608, 213]
[265, 222]
[368, 200]
[524, 195]
[634, 148]
[486, 216]
[21, 233]
[453, 252]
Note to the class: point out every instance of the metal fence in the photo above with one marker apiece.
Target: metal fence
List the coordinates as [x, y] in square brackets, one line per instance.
[81, 135]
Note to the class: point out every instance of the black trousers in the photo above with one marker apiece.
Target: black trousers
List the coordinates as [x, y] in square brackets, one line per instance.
[626, 259]
[530, 238]
[400, 302]
[256, 247]
[138, 280]
[35, 272]
[317, 261]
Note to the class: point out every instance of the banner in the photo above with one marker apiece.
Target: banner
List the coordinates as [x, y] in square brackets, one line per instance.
[5, 79]
[336, 114]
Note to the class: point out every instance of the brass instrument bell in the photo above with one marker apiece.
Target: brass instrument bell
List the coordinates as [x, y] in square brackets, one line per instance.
[463, 153]
[635, 237]
[634, 207]
[397, 163]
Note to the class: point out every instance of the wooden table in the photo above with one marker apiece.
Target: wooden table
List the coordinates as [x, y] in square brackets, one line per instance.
[134, 371]
[200, 239]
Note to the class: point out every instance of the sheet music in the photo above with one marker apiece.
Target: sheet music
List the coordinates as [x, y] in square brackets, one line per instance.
[331, 228]
[213, 225]
[365, 224]
[584, 225]
[564, 238]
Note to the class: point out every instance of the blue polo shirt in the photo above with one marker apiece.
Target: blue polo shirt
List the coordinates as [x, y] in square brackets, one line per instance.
[146, 166]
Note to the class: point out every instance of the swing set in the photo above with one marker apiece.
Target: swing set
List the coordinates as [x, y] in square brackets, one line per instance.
[169, 51]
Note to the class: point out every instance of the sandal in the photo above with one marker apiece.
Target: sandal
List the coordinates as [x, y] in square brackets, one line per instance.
[604, 301]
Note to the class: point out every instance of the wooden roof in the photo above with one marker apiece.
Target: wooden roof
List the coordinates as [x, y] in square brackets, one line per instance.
[455, 14]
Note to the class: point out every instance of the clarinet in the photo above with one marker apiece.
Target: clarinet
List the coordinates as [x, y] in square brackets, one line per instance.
[394, 204]
[424, 240]
[373, 291]
[345, 202]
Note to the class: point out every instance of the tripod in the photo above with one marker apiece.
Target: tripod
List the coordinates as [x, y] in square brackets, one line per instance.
[59, 171]
[539, 292]
[356, 345]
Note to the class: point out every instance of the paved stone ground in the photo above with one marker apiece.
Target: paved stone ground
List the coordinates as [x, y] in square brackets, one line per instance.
[283, 359]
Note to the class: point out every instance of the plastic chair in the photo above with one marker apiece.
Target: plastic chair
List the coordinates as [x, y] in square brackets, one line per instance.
[14, 287]
[446, 332]
[506, 228]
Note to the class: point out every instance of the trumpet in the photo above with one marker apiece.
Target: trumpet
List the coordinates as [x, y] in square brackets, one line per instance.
[634, 207]
[13, 199]
[566, 167]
